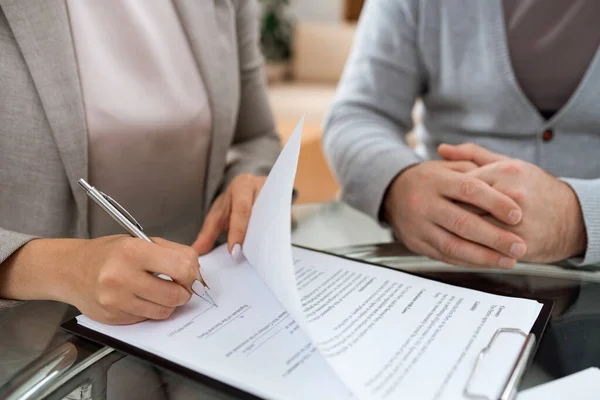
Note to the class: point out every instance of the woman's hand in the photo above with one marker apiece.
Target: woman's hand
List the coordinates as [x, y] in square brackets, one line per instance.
[118, 286]
[230, 213]
[110, 279]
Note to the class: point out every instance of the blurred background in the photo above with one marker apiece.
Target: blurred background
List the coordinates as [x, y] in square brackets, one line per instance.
[306, 44]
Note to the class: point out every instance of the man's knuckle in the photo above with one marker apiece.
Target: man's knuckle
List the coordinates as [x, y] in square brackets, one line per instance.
[501, 242]
[461, 224]
[449, 247]
[518, 195]
[512, 167]
[468, 188]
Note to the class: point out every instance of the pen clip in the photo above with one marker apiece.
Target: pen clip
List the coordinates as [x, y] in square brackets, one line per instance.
[122, 210]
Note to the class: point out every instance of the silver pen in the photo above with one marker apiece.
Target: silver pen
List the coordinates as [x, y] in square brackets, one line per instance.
[123, 218]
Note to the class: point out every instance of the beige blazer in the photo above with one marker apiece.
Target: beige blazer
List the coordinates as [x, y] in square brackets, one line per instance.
[43, 135]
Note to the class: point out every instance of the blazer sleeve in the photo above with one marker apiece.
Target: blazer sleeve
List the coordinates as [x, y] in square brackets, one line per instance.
[256, 144]
[365, 128]
[10, 242]
[588, 194]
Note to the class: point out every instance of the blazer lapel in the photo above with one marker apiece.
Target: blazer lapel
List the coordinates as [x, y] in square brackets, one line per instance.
[42, 29]
[215, 60]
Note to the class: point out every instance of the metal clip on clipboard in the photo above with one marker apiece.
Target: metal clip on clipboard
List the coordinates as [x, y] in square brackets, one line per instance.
[509, 390]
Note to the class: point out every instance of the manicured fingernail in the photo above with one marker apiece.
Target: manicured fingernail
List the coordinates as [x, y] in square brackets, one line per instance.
[236, 253]
[517, 250]
[198, 288]
[514, 216]
[506, 262]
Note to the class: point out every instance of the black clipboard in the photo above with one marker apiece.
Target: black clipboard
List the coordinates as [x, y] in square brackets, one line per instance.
[523, 361]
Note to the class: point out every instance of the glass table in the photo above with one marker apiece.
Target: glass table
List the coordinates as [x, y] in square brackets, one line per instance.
[39, 360]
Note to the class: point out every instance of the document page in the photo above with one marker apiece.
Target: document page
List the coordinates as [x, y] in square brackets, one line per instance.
[250, 341]
[387, 334]
[392, 335]
[267, 245]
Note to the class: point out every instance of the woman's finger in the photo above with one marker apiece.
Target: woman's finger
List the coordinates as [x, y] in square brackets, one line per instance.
[180, 266]
[212, 227]
[146, 309]
[160, 291]
[242, 199]
[119, 317]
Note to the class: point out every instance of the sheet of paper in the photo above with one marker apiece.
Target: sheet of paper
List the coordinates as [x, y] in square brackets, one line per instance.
[267, 245]
[249, 341]
[388, 334]
[583, 385]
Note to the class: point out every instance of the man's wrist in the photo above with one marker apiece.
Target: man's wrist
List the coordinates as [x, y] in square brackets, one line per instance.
[387, 204]
[575, 223]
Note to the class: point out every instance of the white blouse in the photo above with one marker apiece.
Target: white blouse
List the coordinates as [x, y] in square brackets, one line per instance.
[148, 115]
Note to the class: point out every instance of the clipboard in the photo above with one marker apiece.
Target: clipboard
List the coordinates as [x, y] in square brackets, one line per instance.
[508, 389]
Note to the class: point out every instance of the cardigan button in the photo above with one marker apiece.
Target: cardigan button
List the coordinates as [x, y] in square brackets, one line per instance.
[548, 135]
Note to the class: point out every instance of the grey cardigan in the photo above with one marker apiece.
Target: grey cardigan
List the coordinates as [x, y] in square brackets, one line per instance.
[453, 55]
[43, 133]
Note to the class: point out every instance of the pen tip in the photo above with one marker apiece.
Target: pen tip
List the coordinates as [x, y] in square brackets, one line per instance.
[211, 300]
[199, 290]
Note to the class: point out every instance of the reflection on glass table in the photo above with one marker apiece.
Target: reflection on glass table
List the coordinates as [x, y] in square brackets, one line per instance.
[30, 331]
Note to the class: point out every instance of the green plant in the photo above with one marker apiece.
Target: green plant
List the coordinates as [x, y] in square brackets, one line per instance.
[276, 30]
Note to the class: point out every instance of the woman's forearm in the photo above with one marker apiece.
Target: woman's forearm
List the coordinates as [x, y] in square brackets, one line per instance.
[38, 271]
